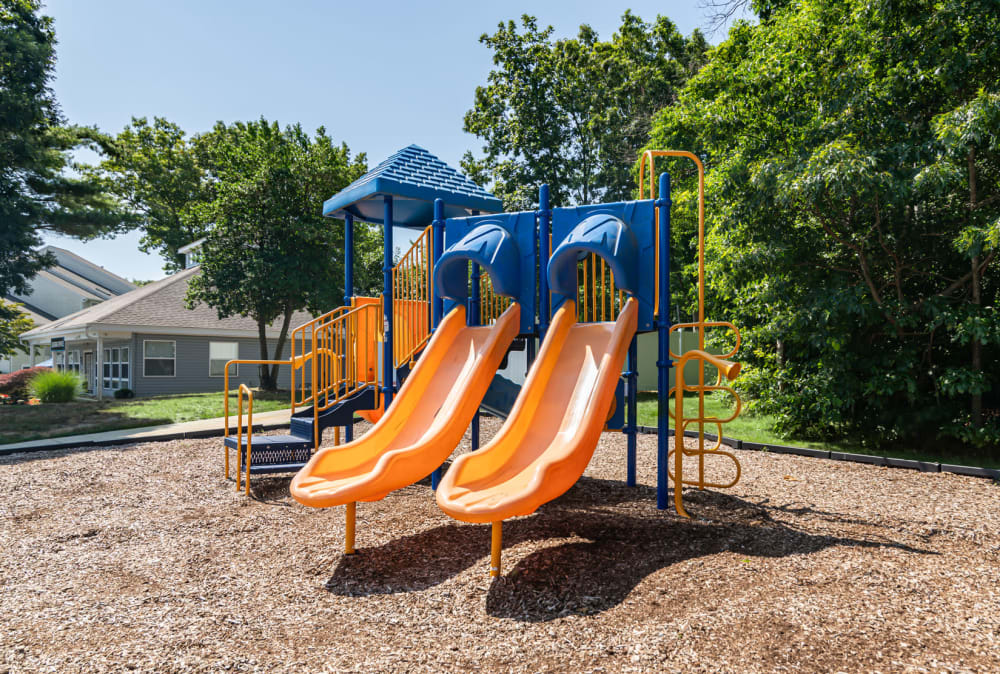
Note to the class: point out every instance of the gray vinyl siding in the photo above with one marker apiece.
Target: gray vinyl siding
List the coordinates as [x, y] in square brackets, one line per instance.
[191, 366]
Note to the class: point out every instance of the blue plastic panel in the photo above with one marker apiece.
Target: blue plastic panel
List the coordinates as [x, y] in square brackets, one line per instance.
[491, 247]
[519, 283]
[599, 236]
[414, 178]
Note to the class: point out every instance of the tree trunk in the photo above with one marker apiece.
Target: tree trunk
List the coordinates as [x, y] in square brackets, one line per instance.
[280, 346]
[977, 347]
[780, 349]
[267, 382]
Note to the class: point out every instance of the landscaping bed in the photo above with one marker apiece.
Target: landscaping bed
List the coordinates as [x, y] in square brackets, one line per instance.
[145, 557]
[19, 423]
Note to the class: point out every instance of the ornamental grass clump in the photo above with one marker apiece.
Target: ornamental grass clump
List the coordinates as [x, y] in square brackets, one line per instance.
[55, 387]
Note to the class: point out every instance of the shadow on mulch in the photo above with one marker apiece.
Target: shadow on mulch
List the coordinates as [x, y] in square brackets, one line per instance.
[625, 540]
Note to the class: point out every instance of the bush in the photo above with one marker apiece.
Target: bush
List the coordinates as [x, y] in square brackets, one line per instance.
[124, 393]
[55, 387]
[15, 384]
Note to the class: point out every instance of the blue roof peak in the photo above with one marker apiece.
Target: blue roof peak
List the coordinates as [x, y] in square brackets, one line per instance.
[414, 178]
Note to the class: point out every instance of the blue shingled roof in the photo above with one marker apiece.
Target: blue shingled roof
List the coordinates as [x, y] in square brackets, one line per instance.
[414, 178]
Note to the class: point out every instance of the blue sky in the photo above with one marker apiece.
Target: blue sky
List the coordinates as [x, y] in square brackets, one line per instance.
[378, 76]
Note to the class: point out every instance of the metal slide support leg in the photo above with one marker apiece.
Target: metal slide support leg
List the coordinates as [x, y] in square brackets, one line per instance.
[352, 509]
[496, 544]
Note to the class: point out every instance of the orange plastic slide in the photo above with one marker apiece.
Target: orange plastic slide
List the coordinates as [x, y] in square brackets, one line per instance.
[424, 423]
[552, 431]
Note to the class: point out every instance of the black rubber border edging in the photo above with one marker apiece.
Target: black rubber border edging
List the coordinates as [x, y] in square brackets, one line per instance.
[871, 459]
[166, 437]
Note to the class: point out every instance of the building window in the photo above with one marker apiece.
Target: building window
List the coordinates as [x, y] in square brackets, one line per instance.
[115, 366]
[59, 360]
[73, 361]
[220, 353]
[158, 358]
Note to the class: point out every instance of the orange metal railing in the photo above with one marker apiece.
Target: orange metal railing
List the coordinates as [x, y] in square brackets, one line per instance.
[597, 299]
[411, 299]
[491, 304]
[700, 356]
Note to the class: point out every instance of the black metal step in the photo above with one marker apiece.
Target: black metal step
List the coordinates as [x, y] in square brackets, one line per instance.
[341, 414]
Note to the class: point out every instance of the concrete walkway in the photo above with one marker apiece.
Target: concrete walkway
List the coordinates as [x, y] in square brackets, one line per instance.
[202, 428]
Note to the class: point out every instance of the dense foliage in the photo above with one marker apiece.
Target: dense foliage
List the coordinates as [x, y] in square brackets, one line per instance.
[853, 151]
[55, 387]
[37, 193]
[152, 168]
[13, 322]
[270, 252]
[16, 383]
[573, 112]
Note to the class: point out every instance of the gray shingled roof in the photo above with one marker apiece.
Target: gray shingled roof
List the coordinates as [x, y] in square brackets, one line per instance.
[158, 305]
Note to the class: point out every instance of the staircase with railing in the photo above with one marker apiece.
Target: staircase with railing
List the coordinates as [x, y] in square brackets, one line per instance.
[335, 369]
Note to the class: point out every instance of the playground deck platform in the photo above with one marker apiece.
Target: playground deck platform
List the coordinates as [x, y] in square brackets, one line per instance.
[142, 556]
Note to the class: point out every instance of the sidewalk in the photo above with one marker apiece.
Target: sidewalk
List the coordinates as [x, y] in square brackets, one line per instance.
[202, 428]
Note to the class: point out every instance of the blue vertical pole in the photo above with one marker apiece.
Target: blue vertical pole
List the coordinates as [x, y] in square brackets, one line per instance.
[438, 229]
[475, 319]
[349, 290]
[631, 380]
[388, 369]
[544, 222]
[663, 363]
[438, 302]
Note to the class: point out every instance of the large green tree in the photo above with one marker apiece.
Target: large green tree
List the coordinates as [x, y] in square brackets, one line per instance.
[152, 168]
[854, 206]
[270, 252]
[38, 190]
[573, 113]
[13, 323]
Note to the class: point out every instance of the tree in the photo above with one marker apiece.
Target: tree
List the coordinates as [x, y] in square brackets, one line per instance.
[574, 112]
[13, 323]
[855, 212]
[270, 252]
[152, 168]
[36, 191]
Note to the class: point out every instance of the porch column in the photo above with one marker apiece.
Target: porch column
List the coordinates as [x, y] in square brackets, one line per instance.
[31, 350]
[99, 375]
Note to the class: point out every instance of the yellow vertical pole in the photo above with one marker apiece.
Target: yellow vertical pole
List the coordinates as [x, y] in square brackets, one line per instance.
[249, 439]
[679, 440]
[349, 528]
[496, 545]
[239, 437]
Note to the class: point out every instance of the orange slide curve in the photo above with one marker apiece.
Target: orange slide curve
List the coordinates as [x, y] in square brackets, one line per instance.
[424, 423]
[552, 431]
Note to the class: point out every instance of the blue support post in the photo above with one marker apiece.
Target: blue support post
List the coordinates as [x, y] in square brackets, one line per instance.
[388, 369]
[348, 288]
[663, 363]
[438, 229]
[475, 319]
[438, 303]
[544, 250]
[631, 382]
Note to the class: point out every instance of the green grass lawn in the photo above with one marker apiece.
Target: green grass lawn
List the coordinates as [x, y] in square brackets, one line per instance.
[19, 423]
[757, 428]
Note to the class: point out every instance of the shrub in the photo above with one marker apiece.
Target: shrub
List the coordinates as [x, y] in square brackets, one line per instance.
[15, 384]
[55, 387]
[124, 393]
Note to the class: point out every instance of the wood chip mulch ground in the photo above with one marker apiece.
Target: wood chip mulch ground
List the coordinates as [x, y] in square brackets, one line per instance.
[143, 557]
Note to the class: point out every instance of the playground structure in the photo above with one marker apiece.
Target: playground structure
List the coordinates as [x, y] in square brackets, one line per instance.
[420, 360]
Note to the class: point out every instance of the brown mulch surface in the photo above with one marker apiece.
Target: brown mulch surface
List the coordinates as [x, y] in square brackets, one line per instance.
[144, 557]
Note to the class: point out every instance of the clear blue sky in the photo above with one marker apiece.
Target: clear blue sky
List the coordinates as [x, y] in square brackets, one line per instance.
[377, 75]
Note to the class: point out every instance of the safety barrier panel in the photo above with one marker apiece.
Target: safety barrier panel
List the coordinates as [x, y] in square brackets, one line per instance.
[491, 305]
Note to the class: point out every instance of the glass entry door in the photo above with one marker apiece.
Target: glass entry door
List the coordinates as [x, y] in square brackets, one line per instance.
[90, 369]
